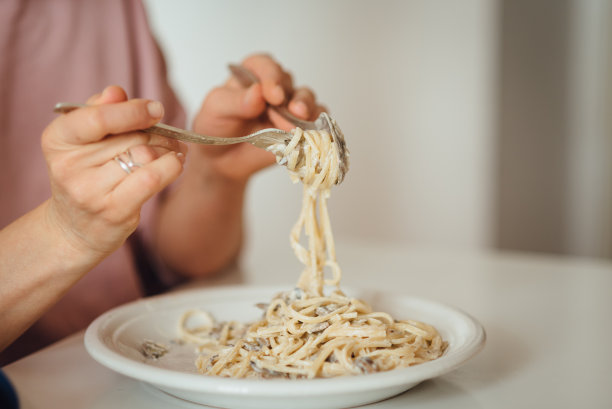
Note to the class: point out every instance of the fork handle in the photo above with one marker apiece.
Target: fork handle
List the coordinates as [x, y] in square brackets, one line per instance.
[163, 129]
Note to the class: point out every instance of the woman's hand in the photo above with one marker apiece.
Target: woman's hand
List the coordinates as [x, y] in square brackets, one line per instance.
[233, 110]
[95, 202]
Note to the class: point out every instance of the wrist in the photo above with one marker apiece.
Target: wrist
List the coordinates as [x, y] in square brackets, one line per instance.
[76, 253]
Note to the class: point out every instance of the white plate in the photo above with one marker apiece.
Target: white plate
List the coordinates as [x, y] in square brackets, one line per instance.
[114, 340]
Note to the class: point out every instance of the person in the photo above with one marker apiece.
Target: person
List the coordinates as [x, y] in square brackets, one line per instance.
[111, 220]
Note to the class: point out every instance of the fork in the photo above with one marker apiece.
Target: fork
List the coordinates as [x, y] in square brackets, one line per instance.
[323, 123]
[264, 138]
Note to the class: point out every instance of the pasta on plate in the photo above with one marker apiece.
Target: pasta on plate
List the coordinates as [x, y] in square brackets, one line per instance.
[310, 331]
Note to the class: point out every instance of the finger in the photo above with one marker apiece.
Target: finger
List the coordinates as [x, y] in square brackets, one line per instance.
[279, 121]
[129, 196]
[98, 153]
[92, 123]
[110, 174]
[303, 104]
[276, 83]
[236, 103]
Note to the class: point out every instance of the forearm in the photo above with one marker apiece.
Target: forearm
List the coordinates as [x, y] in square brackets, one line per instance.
[37, 266]
[200, 224]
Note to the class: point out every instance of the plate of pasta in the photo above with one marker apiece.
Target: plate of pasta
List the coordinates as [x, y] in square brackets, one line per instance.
[313, 345]
[145, 340]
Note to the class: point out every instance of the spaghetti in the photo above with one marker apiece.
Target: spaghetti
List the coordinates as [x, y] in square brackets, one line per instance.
[305, 333]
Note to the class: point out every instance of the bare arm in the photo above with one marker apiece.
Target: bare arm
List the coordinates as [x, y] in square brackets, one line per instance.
[37, 266]
[94, 206]
[200, 224]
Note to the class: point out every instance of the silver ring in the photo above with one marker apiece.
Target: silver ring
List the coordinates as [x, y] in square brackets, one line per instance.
[126, 161]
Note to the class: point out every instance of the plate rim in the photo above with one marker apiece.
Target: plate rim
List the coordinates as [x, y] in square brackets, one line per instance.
[192, 382]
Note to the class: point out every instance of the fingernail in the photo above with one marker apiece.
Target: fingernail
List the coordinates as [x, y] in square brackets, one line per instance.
[181, 156]
[156, 109]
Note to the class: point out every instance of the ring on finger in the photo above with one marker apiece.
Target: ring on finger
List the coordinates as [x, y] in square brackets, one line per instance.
[126, 161]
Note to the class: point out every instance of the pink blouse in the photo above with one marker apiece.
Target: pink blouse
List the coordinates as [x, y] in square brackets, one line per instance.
[68, 50]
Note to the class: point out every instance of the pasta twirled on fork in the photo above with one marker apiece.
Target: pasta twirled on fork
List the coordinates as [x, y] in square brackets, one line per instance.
[305, 333]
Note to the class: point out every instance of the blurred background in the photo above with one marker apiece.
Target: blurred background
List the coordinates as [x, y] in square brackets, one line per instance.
[472, 125]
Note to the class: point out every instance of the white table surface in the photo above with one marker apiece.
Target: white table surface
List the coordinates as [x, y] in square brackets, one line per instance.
[548, 321]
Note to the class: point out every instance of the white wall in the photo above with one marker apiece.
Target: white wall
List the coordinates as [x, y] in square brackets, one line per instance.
[590, 142]
[410, 82]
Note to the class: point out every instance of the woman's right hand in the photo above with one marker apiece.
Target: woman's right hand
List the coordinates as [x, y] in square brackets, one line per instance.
[95, 203]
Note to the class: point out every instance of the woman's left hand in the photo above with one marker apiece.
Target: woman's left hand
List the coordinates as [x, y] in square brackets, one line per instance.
[232, 110]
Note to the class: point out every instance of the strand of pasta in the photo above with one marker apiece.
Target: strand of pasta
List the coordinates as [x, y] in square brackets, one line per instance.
[305, 333]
